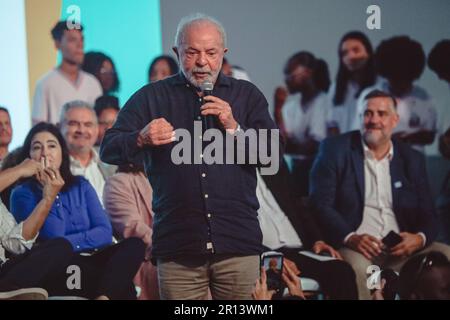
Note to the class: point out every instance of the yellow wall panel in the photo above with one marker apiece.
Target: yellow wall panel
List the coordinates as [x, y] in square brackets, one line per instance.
[41, 16]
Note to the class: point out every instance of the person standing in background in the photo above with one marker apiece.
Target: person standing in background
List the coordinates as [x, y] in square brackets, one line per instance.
[67, 82]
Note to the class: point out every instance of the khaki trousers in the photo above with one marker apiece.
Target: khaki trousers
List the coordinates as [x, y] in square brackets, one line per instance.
[189, 277]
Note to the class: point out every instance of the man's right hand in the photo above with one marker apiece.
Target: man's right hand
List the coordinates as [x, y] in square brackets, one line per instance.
[158, 132]
[365, 244]
[29, 168]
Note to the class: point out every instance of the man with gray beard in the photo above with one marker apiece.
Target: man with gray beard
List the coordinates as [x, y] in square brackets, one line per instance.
[365, 185]
[206, 233]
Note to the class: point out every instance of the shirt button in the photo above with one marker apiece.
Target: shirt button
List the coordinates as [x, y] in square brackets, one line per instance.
[203, 175]
[187, 85]
[78, 247]
[209, 215]
[206, 196]
[200, 99]
[199, 118]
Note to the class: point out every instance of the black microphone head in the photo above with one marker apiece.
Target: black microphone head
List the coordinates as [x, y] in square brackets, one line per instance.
[207, 86]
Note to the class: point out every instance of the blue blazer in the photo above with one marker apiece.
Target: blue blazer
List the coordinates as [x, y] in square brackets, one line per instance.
[337, 189]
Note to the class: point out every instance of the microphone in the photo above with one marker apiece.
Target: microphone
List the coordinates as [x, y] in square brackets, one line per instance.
[208, 121]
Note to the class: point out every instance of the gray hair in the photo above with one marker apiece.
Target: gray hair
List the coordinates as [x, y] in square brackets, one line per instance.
[76, 104]
[198, 18]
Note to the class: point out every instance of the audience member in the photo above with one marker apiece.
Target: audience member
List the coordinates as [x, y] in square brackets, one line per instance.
[106, 108]
[288, 227]
[304, 114]
[67, 82]
[162, 67]
[77, 215]
[290, 279]
[365, 184]
[102, 67]
[5, 133]
[439, 62]
[234, 71]
[25, 269]
[128, 202]
[10, 161]
[79, 127]
[355, 73]
[401, 61]
[425, 277]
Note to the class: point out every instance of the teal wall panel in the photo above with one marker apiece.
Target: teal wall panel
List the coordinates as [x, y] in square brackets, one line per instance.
[127, 31]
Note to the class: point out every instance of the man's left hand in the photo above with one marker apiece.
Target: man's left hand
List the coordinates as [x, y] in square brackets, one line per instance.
[221, 109]
[320, 246]
[411, 243]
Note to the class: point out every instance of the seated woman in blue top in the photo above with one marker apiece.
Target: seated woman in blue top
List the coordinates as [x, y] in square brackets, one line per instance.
[78, 216]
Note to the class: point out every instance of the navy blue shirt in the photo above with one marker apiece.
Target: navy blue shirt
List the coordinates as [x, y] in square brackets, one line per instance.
[199, 208]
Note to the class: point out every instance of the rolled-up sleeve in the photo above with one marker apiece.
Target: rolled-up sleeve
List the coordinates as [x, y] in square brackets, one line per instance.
[11, 237]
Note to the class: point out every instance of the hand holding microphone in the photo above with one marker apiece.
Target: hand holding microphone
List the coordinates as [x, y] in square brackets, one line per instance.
[216, 107]
[208, 121]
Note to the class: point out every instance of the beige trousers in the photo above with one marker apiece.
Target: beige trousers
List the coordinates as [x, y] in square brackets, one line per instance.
[189, 278]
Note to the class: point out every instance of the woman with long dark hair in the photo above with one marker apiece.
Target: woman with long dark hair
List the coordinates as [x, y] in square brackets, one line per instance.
[355, 73]
[162, 67]
[102, 67]
[76, 214]
[304, 113]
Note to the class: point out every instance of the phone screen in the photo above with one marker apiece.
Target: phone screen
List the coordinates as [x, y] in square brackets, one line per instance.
[273, 265]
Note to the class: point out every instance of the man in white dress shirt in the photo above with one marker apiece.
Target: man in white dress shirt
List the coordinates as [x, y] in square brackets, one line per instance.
[79, 127]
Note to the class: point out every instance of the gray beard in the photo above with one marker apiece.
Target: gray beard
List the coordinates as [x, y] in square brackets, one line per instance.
[371, 140]
[195, 83]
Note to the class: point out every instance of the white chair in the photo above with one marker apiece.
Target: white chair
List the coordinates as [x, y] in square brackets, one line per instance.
[310, 287]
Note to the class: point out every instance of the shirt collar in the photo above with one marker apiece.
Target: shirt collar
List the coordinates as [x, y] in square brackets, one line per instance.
[368, 154]
[95, 159]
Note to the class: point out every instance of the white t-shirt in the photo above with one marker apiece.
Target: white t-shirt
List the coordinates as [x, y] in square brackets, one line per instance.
[444, 118]
[344, 115]
[415, 109]
[276, 228]
[54, 89]
[304, 123]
